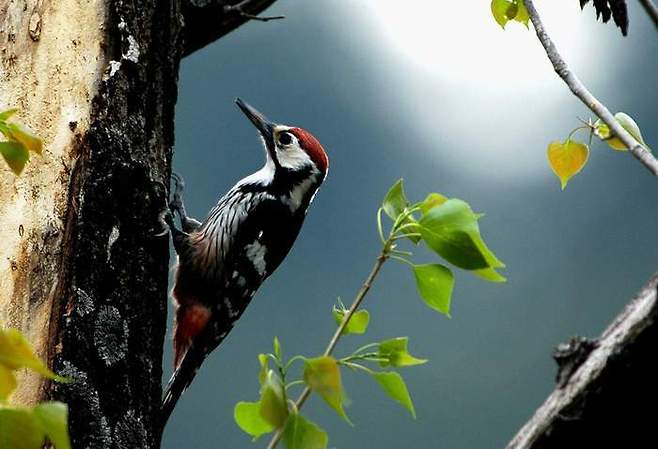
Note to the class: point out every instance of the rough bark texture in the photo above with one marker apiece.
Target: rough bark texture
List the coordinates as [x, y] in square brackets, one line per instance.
[51, 65]
[605, 396]
[112, 301]
[82, 271]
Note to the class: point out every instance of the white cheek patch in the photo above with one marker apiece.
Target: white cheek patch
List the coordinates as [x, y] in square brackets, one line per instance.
[293, 158]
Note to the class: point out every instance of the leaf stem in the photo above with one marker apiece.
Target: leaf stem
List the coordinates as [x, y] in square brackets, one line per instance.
[402, 259]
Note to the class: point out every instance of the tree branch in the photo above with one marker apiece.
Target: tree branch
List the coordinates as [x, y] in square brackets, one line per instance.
[363, 291]
[208, 20]
[601, 401]
[652, 10]
[580, 91]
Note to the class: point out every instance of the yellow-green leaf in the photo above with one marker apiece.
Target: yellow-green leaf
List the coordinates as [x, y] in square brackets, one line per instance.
[501, 10]
[25, 137]
[301, 433]
[16, 156]
[248, 418]
[434, 283]
[16, 352]
[273, 407]
[264, 368]
[395, 201]
[7, 383]
[5, 115]
[566, 159]
[433, 200]
[394, 353]
[626, 121]
[20, 429]
[358, 324]
[322, 375]
[394, 386]
[522, 15]
[53, 417]
[277, 348]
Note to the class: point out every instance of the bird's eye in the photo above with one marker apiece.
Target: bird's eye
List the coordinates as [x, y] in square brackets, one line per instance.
[285, 139]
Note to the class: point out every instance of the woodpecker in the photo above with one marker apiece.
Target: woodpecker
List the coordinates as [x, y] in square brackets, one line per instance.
[223, 261]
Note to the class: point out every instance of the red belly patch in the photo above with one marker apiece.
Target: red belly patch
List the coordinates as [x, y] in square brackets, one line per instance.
[191, 319]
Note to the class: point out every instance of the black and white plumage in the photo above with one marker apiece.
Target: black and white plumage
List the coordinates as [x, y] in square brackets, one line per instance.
[223, 261]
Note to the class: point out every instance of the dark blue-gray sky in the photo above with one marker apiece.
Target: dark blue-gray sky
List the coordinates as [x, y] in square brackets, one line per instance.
[448, 101]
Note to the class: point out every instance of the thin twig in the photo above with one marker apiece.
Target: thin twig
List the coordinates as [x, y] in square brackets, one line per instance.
[383, 256]
[580, 91]
[651, 9]
[240, 10]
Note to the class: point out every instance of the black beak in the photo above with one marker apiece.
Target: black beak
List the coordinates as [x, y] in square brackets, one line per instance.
[262, 124]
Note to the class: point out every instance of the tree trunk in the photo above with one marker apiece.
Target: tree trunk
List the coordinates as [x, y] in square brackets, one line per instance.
[83, 271]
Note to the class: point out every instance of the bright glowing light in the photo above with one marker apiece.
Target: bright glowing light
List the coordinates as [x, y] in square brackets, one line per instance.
[482, 99]
[460, 41]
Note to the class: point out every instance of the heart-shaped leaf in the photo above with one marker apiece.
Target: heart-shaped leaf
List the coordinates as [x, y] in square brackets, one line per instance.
[567, 159]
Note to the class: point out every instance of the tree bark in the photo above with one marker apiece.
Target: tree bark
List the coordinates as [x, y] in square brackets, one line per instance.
[606, 389]
[83, 271]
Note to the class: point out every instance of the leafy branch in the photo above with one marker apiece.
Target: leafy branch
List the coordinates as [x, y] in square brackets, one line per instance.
[446, 226]
[620, 132]
[637, 149]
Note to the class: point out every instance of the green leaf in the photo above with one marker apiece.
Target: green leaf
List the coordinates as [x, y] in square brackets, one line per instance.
[301, 433]
[435, 283]
[358, 324]
[53, 417]
[248, 418]
[19, 429]
[273, 406]
[5, 115]
[567, 159]
[501, 10]
[451, 230]
[627, 122]
[433, 200]
[322, 375]
[522, 15]
[16, 352]
[489, 274]
[395, 352]
[264, 361]
[277, 348]
[7, 383]
[23, 136]
[395, 201]
[16, 156]
[394, 386]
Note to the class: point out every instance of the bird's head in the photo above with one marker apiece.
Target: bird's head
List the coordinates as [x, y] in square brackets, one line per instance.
[290, 150]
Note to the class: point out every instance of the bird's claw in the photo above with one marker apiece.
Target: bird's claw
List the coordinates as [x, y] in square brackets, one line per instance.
[176, 202]
[166, 220]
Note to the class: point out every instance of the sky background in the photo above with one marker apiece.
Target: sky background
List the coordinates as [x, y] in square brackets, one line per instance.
[435, 93]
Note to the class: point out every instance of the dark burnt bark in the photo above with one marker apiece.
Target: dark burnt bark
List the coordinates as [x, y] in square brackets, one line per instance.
[113, 289]
[607, 391]
[109, 320]
[208, 20]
